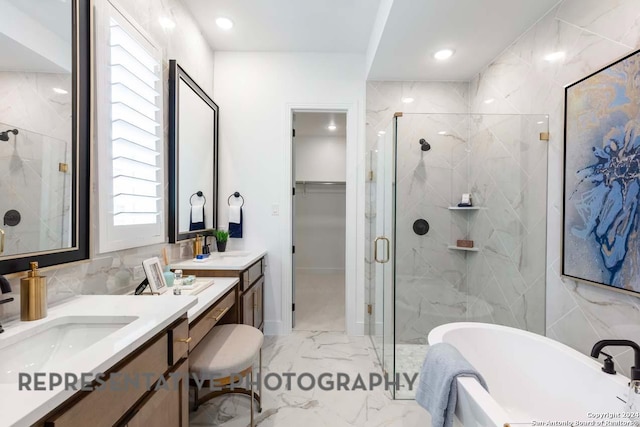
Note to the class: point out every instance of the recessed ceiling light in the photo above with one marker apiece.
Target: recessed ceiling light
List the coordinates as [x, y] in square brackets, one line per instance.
[224, 23]
[540, 122]
[489, 101]
[443, 54]
[332, 127]
[381, 132]
[407, 100]
[60, 91]
[555, 56]
[167, 23]
[442, 132]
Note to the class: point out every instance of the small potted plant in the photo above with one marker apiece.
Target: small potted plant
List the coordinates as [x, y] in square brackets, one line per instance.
[221, 240]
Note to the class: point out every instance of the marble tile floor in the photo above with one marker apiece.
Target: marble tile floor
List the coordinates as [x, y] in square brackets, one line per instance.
[316, 353]
[320, 301]
[409, 358]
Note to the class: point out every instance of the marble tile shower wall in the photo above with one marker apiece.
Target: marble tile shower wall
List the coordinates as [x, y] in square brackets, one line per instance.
[29, 160]
[500, 160]
[592, 33]
[430, 279]
[119, 272]
[507, 177]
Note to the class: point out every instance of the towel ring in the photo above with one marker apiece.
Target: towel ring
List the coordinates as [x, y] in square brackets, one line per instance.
[199, 194]
[236, 195]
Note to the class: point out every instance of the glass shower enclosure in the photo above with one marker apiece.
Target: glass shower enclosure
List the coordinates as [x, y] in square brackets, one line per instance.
[418, 275]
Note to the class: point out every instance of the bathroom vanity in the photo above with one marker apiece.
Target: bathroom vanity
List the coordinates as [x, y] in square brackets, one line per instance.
[117, 339]
[248, 267]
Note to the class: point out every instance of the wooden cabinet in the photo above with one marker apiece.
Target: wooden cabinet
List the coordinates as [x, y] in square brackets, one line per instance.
[214, 314]
[250, 308]
[129, 391]
[166, 407]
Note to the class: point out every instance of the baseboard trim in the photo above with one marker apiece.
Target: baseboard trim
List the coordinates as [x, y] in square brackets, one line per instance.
[273, 327]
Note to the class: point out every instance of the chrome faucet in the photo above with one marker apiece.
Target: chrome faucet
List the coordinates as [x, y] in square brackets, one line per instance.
[608, 365]
[5, 287]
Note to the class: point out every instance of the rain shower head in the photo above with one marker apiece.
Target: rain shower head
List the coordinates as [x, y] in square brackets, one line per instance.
[424, 145]
[4, 136]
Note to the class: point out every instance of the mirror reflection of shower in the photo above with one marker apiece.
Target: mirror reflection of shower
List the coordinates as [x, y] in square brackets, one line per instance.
[4, 136]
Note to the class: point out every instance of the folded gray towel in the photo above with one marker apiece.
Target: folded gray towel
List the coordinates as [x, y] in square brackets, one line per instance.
[437, 387]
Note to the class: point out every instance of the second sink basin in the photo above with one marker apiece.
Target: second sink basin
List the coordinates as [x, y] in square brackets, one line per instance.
[42, 348]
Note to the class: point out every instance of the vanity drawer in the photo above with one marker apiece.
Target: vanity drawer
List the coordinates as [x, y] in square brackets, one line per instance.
[251, 275]
[209, 318]
[179, 341]
[104, 406]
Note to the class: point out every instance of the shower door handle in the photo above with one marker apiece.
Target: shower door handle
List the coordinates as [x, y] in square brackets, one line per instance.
[1, 241]
[375, 250]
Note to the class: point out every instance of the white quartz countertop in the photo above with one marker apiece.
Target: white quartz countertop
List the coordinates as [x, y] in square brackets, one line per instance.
[232, 260]
[149, 315]
[207, 297]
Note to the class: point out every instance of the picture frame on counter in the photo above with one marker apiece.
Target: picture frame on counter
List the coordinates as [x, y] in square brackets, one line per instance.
[153, 271]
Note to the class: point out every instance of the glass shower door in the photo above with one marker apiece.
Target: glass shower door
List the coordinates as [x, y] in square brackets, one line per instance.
[380, 237]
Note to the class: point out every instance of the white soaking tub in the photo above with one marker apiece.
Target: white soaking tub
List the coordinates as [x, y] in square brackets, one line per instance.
[532, 380]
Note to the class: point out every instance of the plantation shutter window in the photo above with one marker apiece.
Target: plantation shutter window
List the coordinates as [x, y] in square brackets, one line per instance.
[130, 134]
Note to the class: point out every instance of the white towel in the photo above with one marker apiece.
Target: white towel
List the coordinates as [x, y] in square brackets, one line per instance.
[197, 210]
[234, 214]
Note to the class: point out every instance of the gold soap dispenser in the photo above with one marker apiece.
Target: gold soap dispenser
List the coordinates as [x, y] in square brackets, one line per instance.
[33, 295]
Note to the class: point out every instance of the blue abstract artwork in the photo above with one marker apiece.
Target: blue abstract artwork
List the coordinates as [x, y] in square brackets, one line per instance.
[601, 242]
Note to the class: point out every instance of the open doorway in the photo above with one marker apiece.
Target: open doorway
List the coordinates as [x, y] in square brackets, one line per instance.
[319, 220]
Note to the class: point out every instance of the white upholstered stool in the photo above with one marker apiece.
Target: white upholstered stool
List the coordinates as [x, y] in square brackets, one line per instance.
[222, 358]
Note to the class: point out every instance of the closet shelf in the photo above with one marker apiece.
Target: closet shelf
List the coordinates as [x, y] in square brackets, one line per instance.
[458, 248]
[321, 182]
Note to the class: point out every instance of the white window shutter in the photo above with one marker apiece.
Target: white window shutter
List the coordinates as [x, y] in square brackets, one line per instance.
[130, 134]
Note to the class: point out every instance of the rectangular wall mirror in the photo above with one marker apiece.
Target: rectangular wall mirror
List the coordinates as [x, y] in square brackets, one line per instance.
[193, 157]
[44, 132]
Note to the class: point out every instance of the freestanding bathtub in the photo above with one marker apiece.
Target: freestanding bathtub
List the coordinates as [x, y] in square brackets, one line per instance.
[532, 380]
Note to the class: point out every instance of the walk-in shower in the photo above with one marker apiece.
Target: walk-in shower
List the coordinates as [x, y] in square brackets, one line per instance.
[430, 275]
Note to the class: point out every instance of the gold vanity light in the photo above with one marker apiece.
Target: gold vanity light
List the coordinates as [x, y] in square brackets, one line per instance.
[33, 295]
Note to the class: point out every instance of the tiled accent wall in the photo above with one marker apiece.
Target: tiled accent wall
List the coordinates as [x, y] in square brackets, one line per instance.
[120, 272]
[593, 33]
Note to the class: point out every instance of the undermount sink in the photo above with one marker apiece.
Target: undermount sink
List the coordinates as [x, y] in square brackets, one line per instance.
[44, 347]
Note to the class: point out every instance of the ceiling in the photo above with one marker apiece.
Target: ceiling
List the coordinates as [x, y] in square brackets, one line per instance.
[53, 15]
[37, 37]
[287, 25]
[477, 30]
[19, 58]
[316, 124]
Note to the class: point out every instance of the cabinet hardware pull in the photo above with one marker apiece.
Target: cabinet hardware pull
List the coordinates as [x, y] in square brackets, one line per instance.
[185, 340]
[219, 316]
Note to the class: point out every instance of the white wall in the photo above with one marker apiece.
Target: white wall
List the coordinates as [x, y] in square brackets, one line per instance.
[320, 158]
[320, 226]
[320, 210]
[255, 92]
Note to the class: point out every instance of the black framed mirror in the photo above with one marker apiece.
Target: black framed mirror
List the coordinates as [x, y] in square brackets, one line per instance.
[193, 157]
[44, 134]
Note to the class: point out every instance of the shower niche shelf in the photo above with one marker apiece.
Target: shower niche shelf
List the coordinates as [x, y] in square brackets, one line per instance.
[472, 208]
[458, 248]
